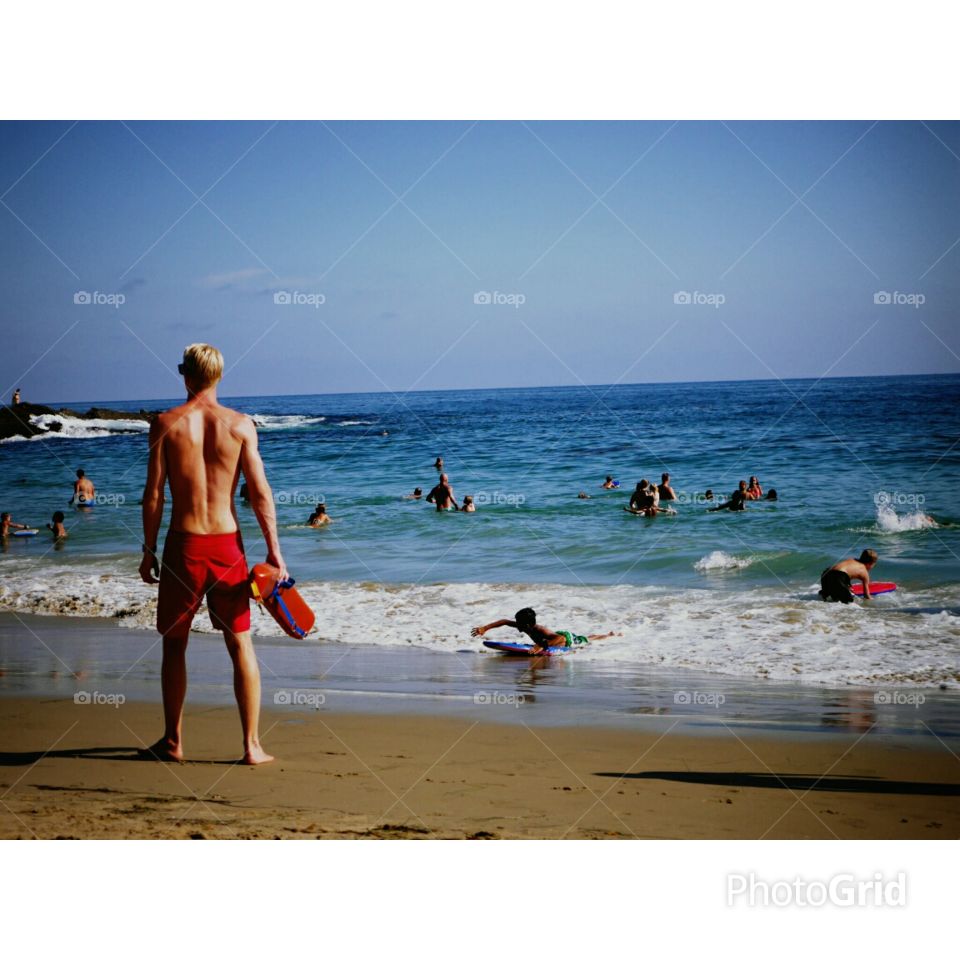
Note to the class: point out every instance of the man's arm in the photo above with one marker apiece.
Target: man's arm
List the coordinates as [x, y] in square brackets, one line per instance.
[153, 504]
[453, 499]
[864, 578]
[480, 631]
[261, 496]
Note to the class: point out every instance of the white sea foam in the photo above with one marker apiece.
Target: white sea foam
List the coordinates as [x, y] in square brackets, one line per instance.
[889, 521]
[268, 421]
[718, 560]
[761, 633]
[75, 428]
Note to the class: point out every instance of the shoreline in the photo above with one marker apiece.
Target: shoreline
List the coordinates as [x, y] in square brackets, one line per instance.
[56, 656]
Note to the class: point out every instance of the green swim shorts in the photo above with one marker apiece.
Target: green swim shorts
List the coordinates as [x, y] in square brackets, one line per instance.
[572, 638]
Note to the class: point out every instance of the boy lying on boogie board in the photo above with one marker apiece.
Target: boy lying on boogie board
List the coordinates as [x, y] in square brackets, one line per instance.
[525, 621]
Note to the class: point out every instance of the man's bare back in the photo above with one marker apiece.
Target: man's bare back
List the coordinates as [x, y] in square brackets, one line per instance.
[203, 444]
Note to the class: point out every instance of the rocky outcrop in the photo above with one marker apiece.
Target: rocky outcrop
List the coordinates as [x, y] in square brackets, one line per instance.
[15, 420]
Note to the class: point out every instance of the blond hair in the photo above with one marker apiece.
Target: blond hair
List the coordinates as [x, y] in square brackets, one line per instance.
[203, 363]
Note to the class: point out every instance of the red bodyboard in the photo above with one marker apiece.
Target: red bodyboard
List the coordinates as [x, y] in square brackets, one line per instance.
[281, 600]
[880, 587]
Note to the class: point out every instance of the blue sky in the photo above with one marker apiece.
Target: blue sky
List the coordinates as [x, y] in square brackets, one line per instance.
[397, 226]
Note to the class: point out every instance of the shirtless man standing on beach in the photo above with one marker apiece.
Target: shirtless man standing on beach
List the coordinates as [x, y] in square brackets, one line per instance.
[442, 495]
[200, 448]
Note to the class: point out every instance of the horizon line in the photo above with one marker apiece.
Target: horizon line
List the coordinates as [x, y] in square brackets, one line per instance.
[546, 386]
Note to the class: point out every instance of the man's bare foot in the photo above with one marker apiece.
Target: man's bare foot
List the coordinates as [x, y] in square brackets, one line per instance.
[163, 750]
[256, 754]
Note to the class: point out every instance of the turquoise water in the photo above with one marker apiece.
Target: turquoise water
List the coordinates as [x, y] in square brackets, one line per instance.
[828, 448]
[856, 463]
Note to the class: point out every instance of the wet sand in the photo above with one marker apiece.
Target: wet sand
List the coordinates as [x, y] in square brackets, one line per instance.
[70, 770]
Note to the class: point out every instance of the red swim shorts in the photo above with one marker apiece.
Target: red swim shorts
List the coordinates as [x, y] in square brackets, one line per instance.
[197, 565]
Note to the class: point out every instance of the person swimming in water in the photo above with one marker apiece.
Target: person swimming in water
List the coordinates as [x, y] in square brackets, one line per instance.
[319, 516]
[835, 580]
[754, 490]
[665, 491]
[84, 493]
[442, 495]
[736, 502]
[416, 495]
[468, 505]
[7, 524]
[584, 496]
[708, 495]
[56, 527]
[438, 464]
[610, 484]
[525, 621]
[771, 494]
[639, 496]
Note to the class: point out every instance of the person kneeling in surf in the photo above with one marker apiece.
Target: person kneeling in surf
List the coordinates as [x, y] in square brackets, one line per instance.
[525, 621]
[835, 580]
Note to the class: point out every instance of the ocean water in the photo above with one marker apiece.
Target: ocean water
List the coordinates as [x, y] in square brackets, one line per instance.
[856, 462]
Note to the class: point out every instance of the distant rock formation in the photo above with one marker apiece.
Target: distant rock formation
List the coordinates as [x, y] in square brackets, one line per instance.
[15, 421]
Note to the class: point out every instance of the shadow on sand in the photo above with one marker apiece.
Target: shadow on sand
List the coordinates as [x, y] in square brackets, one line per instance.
[788, 781]
[27, 757]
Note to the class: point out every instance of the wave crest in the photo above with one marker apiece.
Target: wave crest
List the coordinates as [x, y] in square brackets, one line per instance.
[719, 560]
[889, 521]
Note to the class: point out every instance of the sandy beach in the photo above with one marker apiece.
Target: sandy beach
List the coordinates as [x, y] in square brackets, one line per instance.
[70, 771]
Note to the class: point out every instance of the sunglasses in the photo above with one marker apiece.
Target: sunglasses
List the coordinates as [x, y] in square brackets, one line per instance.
[180, 369]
